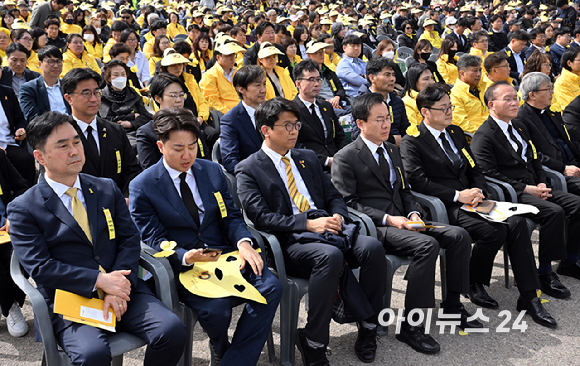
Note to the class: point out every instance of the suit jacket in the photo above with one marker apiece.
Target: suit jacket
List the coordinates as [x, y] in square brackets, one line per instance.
[238, 137]
[34, 99]
[11, 182]
[160, 214]
[499, 160]
[571, 118]
[430, 171]
[514, 74]
[116, 160]
[266, 200]
[311, 135]
[12, 109]
[54, 250]
[6, 78]
[497, 41]
[460, 47]
[548, 149]
[356, 175]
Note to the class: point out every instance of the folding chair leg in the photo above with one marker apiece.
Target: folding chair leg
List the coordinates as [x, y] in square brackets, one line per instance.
[506, 267]
[271, 350]
[117, 361]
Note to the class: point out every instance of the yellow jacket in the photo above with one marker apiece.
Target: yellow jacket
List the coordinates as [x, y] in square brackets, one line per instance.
[71, 28]
[296, 60]
[96, 50]
[487, 82]
[475, 52]
[331, 64]
[566, 88]
[106, 49]
[33, 61]
[435, 39]
[202, 62]
[470, 112]
[175, 29]
[140, 20]
[447, 70]
[152, 62]
[413, 113]
[286, 81]
[200, 102]
[217, 90]
[70, 61]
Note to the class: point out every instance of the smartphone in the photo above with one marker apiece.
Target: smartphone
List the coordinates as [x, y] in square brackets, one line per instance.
[212, 250]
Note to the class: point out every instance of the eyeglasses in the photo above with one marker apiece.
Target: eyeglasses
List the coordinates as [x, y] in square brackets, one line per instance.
[509, 100]
[87, 94]
[176, 96]
[445, 110]
[125, 17]
[551, 89]
[52, 62]
[381, 121]
[290, 126]
[312, 80]
[27, 39]
[131, 39]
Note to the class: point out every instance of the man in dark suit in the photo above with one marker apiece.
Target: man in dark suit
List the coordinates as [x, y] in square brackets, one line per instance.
[322, 132]
[265, 33]
[239, 135]
[108, 151]
[35, 98]
[497, 39]
[516, 58]
[547, 129]
[457, 34]
[16, 73]
[186, 200]
[73, 232]
[439, 163]
[508, 154]
[369, 175]
[285, 191]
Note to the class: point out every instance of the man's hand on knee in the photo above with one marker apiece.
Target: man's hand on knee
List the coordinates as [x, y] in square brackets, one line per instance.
[115, 283]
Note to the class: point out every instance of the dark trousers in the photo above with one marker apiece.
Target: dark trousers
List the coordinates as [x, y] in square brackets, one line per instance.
[23, 161]
[573, 185]
[9, 292]
[146, 317]
[489, 238]
[554, 243]
[254, 325]
[423, 247]
[321, 264]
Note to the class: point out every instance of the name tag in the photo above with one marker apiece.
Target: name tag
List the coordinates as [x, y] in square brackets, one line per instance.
[118, 154]
[534, 150]
[565, 129]
[402, 179]
[110, 224]
[468, 157]
[200, 145]
[221, 204]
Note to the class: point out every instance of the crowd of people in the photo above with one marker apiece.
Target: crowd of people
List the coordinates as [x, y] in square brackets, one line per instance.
[110, 114]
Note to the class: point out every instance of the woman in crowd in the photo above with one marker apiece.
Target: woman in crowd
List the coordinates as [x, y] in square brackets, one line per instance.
[278, 80]
[136, 58]
[446, 61]
[7, 20]
[202, 50]
[79, 18]
[386, 48]
[67, 26]
[408, 38]
[539, 62]
[161, 44]
[430, 34]
[39, 38]
[567, 85]
[419, 76]
[421, 55]
[76, 55]
[24, 37]
[93, 43]
[4, 41]
[338, 31]
[174, 28]
[315, 30]
[291, 47]
[302, 37]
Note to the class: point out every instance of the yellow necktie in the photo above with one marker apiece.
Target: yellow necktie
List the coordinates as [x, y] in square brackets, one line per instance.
[80, 215]
[299, 200]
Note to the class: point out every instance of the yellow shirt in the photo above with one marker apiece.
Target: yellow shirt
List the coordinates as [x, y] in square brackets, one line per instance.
[70, 61]
[331, 64]
[202, 62]
[152, 62]
[447, 70]
[470, 112]
[96, 50]
[217, 90]
[475, 52]
[71, 28]
[148, 48]
[433, 38]
[200, 102]
[566, 88]
[33, 62]
[286, 81]
[175, 29]
[106, 49]
[413, 113]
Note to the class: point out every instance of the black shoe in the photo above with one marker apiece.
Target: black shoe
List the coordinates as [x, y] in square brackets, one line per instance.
[537, 311]
[365, 346]
[479, 296]
[460, 309]
[310, 356]
[550, 285]
[215, 359]
[570, 270]
[417, 339]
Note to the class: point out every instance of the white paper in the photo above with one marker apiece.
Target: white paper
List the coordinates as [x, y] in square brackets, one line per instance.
[96, 314]
[503, 210]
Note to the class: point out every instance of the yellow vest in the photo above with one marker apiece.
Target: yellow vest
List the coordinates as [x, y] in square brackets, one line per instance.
[96, 51]
[33, 62]
[71, 28]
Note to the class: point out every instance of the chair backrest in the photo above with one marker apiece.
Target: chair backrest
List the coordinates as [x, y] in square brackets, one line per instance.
[405, 52]
[180, 37]
[409, 61]
[216, 154]
[433, 57]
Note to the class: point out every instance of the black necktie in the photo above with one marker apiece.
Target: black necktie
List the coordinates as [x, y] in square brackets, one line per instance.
[313, 110]
[514, 139]
[384, 166]
[187, 197]
[455, 159]
[91, 141]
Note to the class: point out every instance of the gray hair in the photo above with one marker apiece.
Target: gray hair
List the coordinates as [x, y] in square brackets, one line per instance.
[468, 61]
[152, 17]
[533, 82]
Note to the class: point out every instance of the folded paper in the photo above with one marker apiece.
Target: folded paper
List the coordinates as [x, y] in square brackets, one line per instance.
[79, 309]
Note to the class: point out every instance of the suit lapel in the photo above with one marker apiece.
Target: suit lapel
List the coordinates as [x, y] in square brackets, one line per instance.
[103, 144]
[205, 188]
[434, 145]
[502, 139]
[90, 157]
[247, 124]
[43, 94]
[540, 125]
[89, 193]
[304, 173]
[367, 157]
[268, 166]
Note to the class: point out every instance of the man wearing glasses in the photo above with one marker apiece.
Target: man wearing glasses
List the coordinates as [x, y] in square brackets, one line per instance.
[370, 176]
[107, 149]
[322, 132]
[439, 163]
[284, 190]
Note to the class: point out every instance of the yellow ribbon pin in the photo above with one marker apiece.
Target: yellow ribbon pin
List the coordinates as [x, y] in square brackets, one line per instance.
[167, 249]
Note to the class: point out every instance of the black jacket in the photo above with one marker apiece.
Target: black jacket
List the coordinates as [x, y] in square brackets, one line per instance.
[126, 110]
[497, 41]
[7, 76]
[335, 84]
[406, 41]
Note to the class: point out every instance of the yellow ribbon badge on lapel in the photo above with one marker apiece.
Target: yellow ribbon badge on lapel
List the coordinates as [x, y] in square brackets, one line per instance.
[167, 249]
[220, 279]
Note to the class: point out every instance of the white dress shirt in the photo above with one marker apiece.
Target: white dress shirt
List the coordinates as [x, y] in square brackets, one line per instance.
[143, 72]
[60, 190]
[95, 133]
[251, 111]
[230, 75]
[504, 127]
[320, 118]
[281, 168]
[519, 62]
[55, 98]
[6, 136]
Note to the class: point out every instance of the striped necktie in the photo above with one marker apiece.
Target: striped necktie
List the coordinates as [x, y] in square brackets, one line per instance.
[298, 199]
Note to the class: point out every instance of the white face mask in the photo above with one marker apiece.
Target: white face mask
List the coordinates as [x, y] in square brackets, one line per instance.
[389, 54]
[89, 37]
[119, 82]
[98, 30]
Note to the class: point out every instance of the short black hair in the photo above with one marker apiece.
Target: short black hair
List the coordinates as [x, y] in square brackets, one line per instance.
[569, 55]
[158, 24]
[520, 35]
[62, 2]
[431, 95]
[323, 37]
[490, 92]
[352, 39]
[161, 81]
[537, 31]
[119, 48]
[413, 74]
[126, 33]
[42, 126]
[304, 66]
[69, 82]
[377, 64]
[14, 46]
[178, 119]
[109, 68]
[246, 75]
[119, 26]
[49, 22]
[494, 18]
[493, 60]
[262, 27]
[49, 51]
[182, 47]
[562, 31]
[561, 3]
[268, 113]
[463, 22]
[361, 106]
[576, 31]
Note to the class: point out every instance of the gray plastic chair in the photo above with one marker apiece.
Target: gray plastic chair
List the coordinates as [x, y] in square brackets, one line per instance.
[119, 342]
[404, 53]
[216, 157]
[179, 37]
[557, 179]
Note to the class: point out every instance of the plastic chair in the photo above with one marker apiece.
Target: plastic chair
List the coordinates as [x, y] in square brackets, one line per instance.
[381, 37]
[217, 115]
[179, 37]
[557, 179]
[409, 61]
[404, 53]
[216, 157]
[119, 342]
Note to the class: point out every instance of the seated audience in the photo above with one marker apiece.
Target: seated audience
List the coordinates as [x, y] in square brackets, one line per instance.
[278, 80]
[419, 77]
[76, 56]
[447, 61]
[422, 54]
[16, 73]
[567, 85]
[516, 59]
[467, 95]
[351, 70]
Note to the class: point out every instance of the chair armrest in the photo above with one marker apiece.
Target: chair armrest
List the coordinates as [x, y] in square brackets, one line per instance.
[434, 205]
[369, 225]
[495, 192]
[506, 187]
[558, 179]
[162, 274]
[275, 247]
[40, 308]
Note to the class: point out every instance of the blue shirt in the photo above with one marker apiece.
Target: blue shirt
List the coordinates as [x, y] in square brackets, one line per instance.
[55, 98]
[351, 72]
